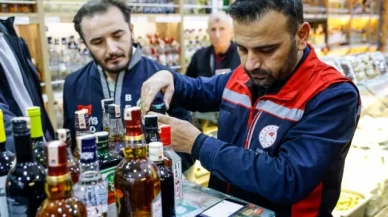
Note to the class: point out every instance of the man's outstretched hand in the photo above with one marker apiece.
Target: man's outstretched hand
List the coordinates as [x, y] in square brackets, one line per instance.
[162, 81]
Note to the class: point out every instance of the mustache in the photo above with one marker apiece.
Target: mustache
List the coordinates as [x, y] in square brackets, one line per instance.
[258, 72]
[113, 56]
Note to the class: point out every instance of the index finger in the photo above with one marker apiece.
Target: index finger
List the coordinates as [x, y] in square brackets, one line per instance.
[146, 98]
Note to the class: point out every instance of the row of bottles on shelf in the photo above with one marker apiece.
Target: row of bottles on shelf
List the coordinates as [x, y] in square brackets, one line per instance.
[341, 6]
[116, 172]
[156, 6]
[16, 7]
[194, 39]
[165, 51]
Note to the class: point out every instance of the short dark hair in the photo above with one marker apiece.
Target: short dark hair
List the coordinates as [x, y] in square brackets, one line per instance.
[93, 7]
[250, 10]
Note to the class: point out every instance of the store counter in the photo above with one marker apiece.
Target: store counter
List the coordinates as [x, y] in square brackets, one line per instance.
[197, 199]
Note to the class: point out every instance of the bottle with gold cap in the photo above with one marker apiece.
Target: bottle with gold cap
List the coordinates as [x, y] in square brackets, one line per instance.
[37, 134]
[7, 160]
[59, 186]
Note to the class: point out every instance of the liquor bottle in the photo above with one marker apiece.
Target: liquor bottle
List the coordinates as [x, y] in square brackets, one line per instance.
[137, 181]
[151, 128]
[105, 115]
[25, 182]
[82, 128]
[166, 179]
[72, 164]
[116, 130]
[91, 189]
[165, 137]
[158, 108]
[7, 161]
[108, 164]
[37, 134]
[60, 201]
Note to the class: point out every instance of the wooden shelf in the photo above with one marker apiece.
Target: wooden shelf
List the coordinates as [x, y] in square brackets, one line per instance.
[22, 18]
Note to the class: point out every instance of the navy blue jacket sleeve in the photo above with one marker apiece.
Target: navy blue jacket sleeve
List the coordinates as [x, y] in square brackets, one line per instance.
[199, 94]
[309, 149]
[7, 116]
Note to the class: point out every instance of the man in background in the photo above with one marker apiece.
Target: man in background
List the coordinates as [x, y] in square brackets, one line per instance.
[222, 56]
[117, 71]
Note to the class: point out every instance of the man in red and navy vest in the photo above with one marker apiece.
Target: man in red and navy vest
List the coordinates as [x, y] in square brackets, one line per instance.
[286, 119]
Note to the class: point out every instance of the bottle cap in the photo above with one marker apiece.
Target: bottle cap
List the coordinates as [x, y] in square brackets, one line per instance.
[63, 135]
[114, 110]
[151, 121]
[132, 116]
[20, 125]
[88, 148]
[158, 108]
[105, 103]
[56, 158]
[33, 111]
[165, 134]
[156, 151]
[101, 136]
[2, 129]
[82, 119]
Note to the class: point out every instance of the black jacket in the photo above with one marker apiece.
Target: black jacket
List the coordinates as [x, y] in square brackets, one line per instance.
[204, 64]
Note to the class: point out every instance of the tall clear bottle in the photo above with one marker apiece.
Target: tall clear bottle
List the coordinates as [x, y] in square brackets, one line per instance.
[169, 153]
[166, 178]
[7, 162]
[105, 115]
[37, 134]
[137, 181]
[60, 201]
[82, 125]
[91, 189]
[72, 164]
[116, 130]
[26, 181]
[108, 164]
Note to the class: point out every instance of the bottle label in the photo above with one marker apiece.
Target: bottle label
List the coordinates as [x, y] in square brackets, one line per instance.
[81, 121]
[95, 200]
[117, 111]
[108, 177]
[157, 206]
[177, 170]
[53, 156]
[18, 207]
[3, 198]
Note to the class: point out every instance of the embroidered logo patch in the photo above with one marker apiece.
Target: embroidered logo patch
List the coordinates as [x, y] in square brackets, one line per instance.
[268, 135]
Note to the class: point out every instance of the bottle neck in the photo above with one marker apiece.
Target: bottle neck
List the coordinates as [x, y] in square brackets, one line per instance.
[167, 148]
[116, 127]
[152, 135]
[59, 187]
[105, 120]
[2, 147]
[36, 127]
[23, 148]
[70, 155]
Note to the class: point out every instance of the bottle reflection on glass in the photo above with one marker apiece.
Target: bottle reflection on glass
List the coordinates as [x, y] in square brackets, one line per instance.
[60, 201]
[26, 181]
[72, 164]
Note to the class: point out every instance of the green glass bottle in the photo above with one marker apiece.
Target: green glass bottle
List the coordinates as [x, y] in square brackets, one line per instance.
[37, 134]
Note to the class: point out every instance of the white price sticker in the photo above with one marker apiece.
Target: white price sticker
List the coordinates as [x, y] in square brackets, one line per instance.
[117, 111]
[53, 160]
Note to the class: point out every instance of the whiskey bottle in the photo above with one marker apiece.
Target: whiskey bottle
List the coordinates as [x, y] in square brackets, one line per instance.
[37, 134]
[72, 164]
[158, 108]
[116, 130]
[25, 182]
[166, 179]
[60, 201]
[165, 137]
[137, 183]
[82, 128]
[151, 128]
[91, 189]
[7, 162]
[108, 164]
[105, 115]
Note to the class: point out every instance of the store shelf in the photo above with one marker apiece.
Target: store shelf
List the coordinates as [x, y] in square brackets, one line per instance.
[21, 19]
[53, 83]
[18, 2]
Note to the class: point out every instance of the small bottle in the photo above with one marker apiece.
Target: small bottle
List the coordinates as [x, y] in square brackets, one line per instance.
[7, 162]
[158, 108]
[166, 179]
[72, 164]
[116, 130]
[137, 181]
[151, 128]
[82, 128]
[165, 137]
[105, 115]
[59, 185]
[108, 164]
[26, 181]
[37, 134]
[91, 189]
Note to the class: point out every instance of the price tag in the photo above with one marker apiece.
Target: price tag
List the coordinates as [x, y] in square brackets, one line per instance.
[53, 156]
[81, 120]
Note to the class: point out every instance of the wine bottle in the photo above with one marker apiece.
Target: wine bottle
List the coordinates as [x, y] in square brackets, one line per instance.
[166, 179]
[137, 183]
[26, 181]
[60, 201]
[72, 164]
[105, 115]
[7, 162]
[37, 134]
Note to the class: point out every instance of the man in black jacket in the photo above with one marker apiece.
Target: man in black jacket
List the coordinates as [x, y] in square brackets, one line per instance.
[222, 56]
